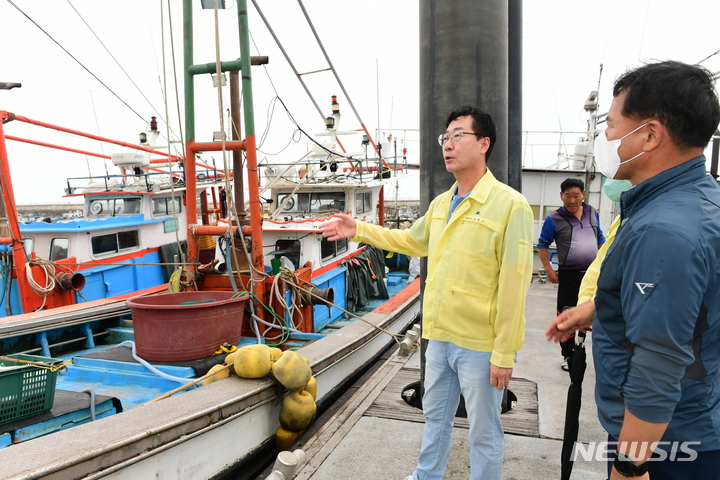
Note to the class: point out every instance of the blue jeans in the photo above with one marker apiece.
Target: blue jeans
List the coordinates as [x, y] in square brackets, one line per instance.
[450, 370]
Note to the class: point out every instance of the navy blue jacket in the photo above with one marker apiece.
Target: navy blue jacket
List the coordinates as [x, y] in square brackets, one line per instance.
[656, 330]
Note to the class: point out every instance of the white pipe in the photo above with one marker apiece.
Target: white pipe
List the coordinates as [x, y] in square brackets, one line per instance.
[273, 325]
[164, 375]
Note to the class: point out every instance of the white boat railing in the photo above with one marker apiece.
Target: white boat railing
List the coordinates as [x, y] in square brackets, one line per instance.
[552, 149]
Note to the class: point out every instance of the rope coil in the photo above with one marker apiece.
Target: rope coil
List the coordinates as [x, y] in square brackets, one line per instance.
[49, 269]
[294, 282]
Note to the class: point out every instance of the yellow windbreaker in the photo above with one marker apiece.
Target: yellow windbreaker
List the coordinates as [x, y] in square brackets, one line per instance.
[479, 267]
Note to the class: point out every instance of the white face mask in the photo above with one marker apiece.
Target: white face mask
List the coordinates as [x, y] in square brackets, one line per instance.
[607, 157]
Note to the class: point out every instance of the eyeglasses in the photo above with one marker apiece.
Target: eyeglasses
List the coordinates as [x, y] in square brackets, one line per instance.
[455, 137]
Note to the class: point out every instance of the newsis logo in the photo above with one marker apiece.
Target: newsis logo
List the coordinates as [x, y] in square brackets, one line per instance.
[604, 451]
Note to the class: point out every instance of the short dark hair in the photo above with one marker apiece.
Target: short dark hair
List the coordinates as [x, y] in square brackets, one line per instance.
[681, 96]
[572, 183]
[482, 124]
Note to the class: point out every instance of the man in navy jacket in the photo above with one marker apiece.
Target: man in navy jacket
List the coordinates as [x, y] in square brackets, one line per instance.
[656, 323]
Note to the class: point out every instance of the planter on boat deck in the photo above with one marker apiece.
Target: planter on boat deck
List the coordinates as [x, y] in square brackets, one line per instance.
[173, 327]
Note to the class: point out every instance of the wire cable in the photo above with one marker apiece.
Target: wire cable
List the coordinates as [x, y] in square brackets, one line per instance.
[116, 62]
[76, 60]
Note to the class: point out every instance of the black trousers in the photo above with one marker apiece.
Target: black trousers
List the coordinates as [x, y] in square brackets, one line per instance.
[567, 296]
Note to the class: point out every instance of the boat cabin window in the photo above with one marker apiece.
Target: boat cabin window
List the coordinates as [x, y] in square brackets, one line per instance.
[115, 242]
[114, 207]
[28, 245]
[164, 205]
[329, 250]
[363, 202]
[59, 248]
[289, 249]
[312, 202]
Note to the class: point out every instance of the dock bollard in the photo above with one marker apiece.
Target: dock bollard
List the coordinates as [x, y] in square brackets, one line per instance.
[287, 464]
[411, 338]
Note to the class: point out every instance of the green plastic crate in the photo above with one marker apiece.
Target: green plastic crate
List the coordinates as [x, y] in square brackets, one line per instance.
[26, 390]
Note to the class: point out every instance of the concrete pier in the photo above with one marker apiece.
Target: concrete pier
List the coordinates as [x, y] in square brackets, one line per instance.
[358, 440]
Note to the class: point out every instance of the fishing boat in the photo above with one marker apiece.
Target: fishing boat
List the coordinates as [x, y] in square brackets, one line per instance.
[131, 223]
[119, 365]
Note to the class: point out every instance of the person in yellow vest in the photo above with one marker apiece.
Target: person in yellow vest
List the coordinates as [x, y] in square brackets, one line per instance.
[478, 240]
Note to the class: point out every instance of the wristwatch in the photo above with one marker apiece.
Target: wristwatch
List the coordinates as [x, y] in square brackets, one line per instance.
[627, 468]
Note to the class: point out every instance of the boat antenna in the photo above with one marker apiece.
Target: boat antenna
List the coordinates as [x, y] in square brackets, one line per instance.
[97, 127]
[116, 61]
[377, 95]
[598, 87]
[181, 153]
[337, 78]
[87, 161]
[708, 57]
[299, 75]
[392, 107]
[561, 140]
[307, 136]
[642, 38]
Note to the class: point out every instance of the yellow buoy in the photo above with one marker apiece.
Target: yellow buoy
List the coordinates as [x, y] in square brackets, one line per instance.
[291, 371]
[297, 411]
[252, 361]
[230, 360]
[275, 353]
[311, 388]
[218, 376]
[285, 438]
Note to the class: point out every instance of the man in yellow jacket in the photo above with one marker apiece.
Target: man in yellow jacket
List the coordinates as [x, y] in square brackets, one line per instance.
[478, 240]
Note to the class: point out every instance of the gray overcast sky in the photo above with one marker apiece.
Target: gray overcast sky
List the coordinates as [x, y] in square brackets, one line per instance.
[373, 45]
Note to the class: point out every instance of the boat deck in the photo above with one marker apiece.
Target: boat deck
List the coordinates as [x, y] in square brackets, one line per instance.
[106, 308]
[110, 371]
[373, 434]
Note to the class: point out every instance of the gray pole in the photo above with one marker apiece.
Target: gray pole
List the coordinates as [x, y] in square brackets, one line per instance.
[463, 60]
[515, 94]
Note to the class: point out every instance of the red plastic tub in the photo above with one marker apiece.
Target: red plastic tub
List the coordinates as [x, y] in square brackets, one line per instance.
[166, 331]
